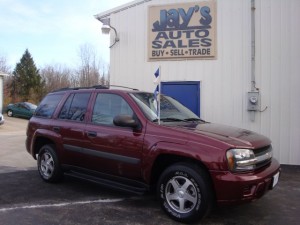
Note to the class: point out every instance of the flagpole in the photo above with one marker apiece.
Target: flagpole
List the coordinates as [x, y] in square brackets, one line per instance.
[159, 92]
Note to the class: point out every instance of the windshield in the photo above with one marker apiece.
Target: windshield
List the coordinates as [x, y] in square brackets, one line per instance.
[30, 105]
[170, 109]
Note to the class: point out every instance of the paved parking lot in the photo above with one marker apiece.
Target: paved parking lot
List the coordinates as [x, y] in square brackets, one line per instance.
[26, 199]
[13, 155]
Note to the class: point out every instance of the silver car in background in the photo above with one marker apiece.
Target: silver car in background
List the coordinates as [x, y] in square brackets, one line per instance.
[1, 119]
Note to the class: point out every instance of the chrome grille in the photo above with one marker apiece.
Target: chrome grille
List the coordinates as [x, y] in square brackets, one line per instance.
[263, 156]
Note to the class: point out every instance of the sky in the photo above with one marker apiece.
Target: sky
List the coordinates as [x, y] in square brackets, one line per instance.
[52, 30]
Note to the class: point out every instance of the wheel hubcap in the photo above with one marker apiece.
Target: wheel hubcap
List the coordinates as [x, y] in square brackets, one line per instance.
[181, 194]
[47, 165]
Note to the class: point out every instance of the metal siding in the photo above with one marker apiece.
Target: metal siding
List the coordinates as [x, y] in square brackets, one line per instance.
[226, 80]
[294, 38]
[278, 57]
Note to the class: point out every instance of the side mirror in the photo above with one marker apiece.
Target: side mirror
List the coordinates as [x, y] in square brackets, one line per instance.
[125, 121]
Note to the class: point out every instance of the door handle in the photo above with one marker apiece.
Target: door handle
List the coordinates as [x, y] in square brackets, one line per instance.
[56, 129]
[92, 134]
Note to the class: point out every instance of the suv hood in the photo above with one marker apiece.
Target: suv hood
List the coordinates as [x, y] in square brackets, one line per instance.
[235, 137]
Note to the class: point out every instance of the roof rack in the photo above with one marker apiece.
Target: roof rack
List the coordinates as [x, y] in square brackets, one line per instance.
[93, 87]
[62, 89]
[80, 88]
[118, 86]
[100, 87]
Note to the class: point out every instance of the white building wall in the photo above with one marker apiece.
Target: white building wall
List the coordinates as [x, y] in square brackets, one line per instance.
[226, 80]
[278, 75]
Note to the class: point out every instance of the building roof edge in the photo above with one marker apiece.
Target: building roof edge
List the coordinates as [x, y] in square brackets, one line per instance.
[2, 74]
[120, 8]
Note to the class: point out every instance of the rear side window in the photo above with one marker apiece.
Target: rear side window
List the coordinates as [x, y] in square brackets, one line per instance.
[75, 107]
[107, 106]
[47, 107]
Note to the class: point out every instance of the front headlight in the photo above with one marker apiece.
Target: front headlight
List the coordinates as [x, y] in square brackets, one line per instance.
[241, 160]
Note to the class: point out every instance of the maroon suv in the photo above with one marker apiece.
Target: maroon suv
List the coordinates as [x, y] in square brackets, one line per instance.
[115, 138]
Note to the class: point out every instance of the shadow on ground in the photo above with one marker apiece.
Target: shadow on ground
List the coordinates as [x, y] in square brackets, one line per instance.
[26, 198]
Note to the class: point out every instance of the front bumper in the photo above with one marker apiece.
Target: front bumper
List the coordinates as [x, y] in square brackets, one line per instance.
[238, 188]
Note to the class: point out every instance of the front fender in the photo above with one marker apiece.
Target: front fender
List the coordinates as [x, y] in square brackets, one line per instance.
[211, 157]
[161, 148]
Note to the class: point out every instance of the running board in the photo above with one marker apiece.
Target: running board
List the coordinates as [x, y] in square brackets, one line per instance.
[138, 188]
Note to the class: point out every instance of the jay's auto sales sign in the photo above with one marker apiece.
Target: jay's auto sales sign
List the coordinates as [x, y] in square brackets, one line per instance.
[182, 31]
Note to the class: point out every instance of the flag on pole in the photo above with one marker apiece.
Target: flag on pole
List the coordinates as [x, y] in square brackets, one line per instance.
[156, 81]
[156, 74]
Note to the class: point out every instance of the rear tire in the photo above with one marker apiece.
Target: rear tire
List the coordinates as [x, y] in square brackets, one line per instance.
[185, 192]
[48, 164]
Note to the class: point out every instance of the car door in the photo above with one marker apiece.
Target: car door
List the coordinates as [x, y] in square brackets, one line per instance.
[18, 109]
[70, 124]
[25, 111]
[113, 150]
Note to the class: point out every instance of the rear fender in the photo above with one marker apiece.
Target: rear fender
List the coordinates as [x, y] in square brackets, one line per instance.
[42, 137]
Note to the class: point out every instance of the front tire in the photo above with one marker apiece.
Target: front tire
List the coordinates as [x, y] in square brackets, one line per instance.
[185, 192]
[48, 164]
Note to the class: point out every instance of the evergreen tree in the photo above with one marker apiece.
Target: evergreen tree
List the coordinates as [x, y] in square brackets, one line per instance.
[27, 84]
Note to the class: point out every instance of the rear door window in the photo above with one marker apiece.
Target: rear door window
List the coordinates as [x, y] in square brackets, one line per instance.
[75, 107]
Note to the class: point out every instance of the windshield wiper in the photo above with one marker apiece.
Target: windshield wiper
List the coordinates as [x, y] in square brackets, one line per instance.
[169, 119]
[194, 119]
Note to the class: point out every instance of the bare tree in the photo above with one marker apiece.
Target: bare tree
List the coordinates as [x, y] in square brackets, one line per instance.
[3, 65]
[56, 77]
[89, 70]
[106, 78]
[4, 68]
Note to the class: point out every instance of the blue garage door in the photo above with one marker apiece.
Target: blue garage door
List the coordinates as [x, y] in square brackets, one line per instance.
[186, 92]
